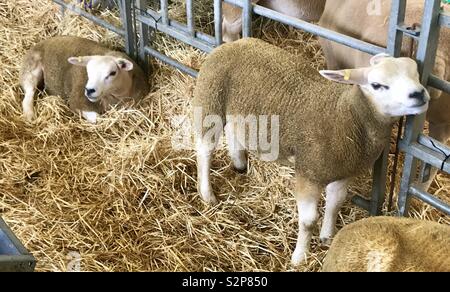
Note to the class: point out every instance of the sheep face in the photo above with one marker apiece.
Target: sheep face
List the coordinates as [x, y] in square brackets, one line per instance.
[107, 75]
[395, 88]
[392, 84]
[231, 30]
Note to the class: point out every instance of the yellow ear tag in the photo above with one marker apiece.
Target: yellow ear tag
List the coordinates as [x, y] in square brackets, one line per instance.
[347, 74]
[80, 59]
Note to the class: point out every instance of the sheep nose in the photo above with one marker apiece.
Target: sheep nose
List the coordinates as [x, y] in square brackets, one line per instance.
[419, 95]
[89, 91]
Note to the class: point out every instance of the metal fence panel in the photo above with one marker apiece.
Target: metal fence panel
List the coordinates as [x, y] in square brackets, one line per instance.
[150, 20]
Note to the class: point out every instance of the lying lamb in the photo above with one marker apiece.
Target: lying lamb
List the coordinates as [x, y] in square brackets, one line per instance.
[59, 62]
[390, 244]
[332, 131]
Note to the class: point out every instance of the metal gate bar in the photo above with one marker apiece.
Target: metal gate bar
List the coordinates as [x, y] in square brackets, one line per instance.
[127, 22]
[218, 21]
[126, 32]
[186, 33]
[91, 17]
[415, 146]
[426, 55]
[144, 37]
[176, 30]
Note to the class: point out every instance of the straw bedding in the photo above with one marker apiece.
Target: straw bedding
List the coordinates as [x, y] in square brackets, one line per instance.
[118, 194]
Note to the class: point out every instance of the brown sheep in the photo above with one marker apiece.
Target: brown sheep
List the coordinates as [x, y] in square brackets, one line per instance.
[390, 244]
[90, 76]
[331, 131]
[373, 27]
[303, 9]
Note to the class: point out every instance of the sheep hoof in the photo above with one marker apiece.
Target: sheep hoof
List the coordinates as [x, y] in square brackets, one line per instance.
[211, 200]
[326, 240]
[298, 257]
[241, 170]
[29, 115]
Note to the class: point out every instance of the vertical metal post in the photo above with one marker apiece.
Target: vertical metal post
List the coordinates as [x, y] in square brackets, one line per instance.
[426, 55]
[218, 21]
[395, 37]
[247, 19]
[144, 36]
[165, 12]
[190, 17]
[127, 23]
[394, 48]
[379, 183]
[62, 9]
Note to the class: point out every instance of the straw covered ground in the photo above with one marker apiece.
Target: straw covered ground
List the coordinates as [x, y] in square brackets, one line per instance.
[117, 194]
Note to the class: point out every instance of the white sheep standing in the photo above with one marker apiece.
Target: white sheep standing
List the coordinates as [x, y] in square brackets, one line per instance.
[373, 28]
[390, 244]
[89, 75]
[331, 131]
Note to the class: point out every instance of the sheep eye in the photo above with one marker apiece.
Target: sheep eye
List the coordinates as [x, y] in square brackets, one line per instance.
[378, 86]
[110, 74]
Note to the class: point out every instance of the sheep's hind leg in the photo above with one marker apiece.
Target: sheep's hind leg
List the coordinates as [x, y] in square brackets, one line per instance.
[205, 150]
[307, 195]
[336, 193]
[29, 81]
[442, 134]
[238, 154]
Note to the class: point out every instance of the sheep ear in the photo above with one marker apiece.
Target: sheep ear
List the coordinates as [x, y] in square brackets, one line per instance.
[124, 64]
[79, 61]
[378, 58]
[349, 76]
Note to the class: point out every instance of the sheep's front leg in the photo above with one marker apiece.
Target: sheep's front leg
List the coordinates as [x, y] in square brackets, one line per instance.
[80, 104]
[307, 195]
[89, 116]
[336, 193]
[237, 152]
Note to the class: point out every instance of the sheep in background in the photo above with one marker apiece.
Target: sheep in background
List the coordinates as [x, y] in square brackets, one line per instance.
[89, 75]
[99, 4]
[373, 27]
[303, 9]
[390, 244]
[331, 131]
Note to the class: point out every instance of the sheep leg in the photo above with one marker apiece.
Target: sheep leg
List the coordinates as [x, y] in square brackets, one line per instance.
[336, 193]
[237, 152]
[307, 196]
[29, 82]
[442, 134]
[80, 104]
[205, 150]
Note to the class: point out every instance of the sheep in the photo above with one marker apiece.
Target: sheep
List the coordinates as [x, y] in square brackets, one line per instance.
[99, 4]
[303, 9]
[371, 24]
[58, 63]
[331, 131]
[390, 244]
